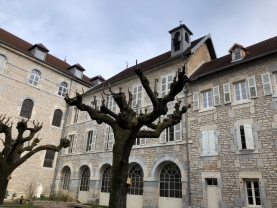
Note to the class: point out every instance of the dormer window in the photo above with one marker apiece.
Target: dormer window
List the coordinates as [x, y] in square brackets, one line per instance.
[77, 70]
[39, 51]
[176, 41]
[237, 52]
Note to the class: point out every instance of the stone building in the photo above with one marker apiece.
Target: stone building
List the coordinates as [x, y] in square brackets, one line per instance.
[32, 85]
[222, 154]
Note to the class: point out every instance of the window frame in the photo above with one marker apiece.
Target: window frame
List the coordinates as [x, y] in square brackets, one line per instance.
[57, 121]
[136, 175]
[167, 83]
[208, 140]
[248, 137]
[66, 179]
[135, 96]
[52, 159]
[90, 140]
[62, 90]
[106, 180]
[32, 80]
[166, 133]
[240, 91]
[206, 97]
[253, 192]
[140, 141]
[85, 180]
[75, 115]
[235, 52]
[108, 138]
[73, 144]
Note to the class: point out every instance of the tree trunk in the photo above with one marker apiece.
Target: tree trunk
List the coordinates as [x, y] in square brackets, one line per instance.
[3, 185]
[119, 188]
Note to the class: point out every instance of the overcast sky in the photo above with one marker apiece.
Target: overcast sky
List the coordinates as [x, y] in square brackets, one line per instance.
[102, 35]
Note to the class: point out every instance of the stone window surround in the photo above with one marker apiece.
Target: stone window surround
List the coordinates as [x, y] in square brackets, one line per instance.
[63, 116]
[85, 139]
[19, 106]
[217, 134]
[204, 176]
[262, 185]
[256, 128]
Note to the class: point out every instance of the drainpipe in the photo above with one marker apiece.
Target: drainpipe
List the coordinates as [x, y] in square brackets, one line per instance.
[187, 147]
[62, 136]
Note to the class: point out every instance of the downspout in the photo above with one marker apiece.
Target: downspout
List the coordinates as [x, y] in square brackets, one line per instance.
[187, 147]
[62, 136]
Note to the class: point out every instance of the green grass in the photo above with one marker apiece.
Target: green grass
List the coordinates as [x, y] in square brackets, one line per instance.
[21, 205]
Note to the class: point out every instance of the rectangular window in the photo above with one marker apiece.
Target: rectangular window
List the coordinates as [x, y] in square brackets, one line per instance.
[252, 192]
[49, 158]
[112, 104]
[140, 141]
[90, 141]
[207, 99]
[73, 143]
[245, 137]
[208, 142]
[137, 96]
[240, 91]
[227, 93]
[172, 133]
[166, 82]
[109, 138]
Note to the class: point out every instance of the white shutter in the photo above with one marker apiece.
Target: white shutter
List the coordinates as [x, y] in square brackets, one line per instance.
[267, 84]
[227, 93]
[249, 136]
[238, 137]
[216, 95]
[252, 87]
[134, 103]
[169, 81]
[195, 101]
[205, 142]
[143, 140]
[178, 132]
[93, 140]
[139, 96]
[163, 134]
[85, 142]
[111, 139]
[164, 86]
[211, 141]
[75, 143]
[106, 137]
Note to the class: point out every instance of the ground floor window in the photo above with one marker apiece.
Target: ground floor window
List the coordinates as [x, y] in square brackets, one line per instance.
[106, 180]
[136, 175]
[253, 192]
[170, 181]
[66, 179]
[85, 180]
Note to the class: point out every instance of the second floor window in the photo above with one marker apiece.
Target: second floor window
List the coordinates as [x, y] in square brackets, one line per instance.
[75, 115]
[90, 140]
[49, 158]
[62, 89]
[172, 133]
[73, 143]
[34, 77]
[137, 96]
[109, 138]
[207, 99]
[208, 142]
[27, 108]
[166, 82]
[240, 91]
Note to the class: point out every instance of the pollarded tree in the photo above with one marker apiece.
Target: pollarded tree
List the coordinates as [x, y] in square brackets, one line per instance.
[13, 148]
[127, 125]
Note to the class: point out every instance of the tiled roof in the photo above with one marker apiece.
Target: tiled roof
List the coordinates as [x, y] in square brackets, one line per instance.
[255, 51]
[147, 65]
[98, 77]
[24, 46]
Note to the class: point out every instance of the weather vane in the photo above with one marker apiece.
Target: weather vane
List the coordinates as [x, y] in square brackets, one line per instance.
[180, 22]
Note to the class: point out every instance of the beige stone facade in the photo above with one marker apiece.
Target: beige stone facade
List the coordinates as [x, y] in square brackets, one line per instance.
[15, 87]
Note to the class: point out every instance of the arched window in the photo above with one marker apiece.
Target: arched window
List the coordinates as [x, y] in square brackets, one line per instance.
[63, 89]
[57, 118]
[3, 61]
[66, 179]
[106, 180]
[136, 174]
[186, 37]
[176, 41]
[85, 180]
[26, 109]
[34, 77]
[170, 181]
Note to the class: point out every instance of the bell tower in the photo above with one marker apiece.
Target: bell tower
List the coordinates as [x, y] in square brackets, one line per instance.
[180, 39]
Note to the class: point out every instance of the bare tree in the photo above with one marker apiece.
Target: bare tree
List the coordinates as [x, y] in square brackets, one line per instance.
[127, 125]
[13, 148]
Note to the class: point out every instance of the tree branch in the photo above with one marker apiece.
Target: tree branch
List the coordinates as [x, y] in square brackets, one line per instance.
[94, 114]
[64, 143]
